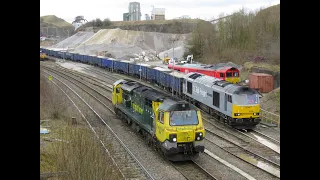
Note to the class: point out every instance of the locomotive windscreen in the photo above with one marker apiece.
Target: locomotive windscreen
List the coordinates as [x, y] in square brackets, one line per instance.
[171, 105]
[181, 118]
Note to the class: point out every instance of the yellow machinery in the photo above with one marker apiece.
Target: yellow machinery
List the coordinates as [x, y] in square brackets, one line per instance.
[166, 59]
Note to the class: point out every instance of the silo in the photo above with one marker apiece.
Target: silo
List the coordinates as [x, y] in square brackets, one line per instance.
[134, 11]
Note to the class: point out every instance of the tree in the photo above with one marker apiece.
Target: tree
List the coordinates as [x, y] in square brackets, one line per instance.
[98, 22]
[106, 22]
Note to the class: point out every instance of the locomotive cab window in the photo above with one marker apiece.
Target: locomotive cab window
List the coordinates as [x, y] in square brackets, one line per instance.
[161, 117]
[117, 90]
[229, 98]
[182, 118]
[246, 99]
[229, 74]
[236, 74]
[221, 75]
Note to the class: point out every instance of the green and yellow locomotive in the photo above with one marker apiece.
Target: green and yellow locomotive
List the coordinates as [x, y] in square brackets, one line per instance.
[173, 126]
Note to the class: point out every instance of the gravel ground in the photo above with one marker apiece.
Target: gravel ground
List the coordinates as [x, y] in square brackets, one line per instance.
[218, 169]
[244, 166]
[245, 142]
[246, 158]
[272, 132]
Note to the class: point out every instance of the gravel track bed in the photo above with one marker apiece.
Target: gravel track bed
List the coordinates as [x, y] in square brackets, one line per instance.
[272, 132]
[244, 141]
[219, 170]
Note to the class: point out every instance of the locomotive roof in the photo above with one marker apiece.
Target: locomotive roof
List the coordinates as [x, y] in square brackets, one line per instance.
[236, 89]
[130, 85]
[154, 95]
[217, 83]
[221, 67]
[145, 91]
[173, 105]
[120, 81]
[207, 80]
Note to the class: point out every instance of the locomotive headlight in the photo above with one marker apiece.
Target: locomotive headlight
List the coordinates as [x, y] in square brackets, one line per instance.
[236, 114]
[255, 114]
[173, 137]
[199, 136]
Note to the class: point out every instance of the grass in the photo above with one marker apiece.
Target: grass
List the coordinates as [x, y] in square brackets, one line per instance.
[80, 154]
[271, 103]
[52, 19]
[266, 66]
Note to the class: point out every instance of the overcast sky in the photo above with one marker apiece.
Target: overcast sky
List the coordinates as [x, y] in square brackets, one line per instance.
[114, 9]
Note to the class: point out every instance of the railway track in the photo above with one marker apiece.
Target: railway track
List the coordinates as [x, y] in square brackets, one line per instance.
[100, 73]
[197, 171]
[256, 136]
[192, 170]
[243, 153]
[265, 136]
[258, 148]
[123, 158]
[98, 81]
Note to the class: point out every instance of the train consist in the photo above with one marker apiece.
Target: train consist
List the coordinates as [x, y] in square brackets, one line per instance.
[226, 73]
[172, 125]
[231, 103]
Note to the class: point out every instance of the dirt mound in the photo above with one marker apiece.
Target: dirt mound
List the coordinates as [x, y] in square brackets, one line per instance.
[74, 40]
[126, 44]
[271, 101]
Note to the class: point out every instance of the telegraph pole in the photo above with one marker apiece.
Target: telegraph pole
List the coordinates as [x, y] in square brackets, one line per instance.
[140, 62]
[173, 61]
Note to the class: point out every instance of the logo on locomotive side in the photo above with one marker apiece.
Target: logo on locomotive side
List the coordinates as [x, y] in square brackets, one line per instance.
[200, 91]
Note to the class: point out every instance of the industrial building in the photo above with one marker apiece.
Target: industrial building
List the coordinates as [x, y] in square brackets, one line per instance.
[125, 16]
[158, 14]
[134, 13]
[147, 16]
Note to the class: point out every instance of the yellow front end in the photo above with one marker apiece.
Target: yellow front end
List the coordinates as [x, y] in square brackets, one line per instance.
[233, 79]
[245, 111]
[117, 94]
[42, 56]
[184, 133]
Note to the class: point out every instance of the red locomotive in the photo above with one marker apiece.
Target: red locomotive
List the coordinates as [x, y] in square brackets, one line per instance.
[226, 73]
